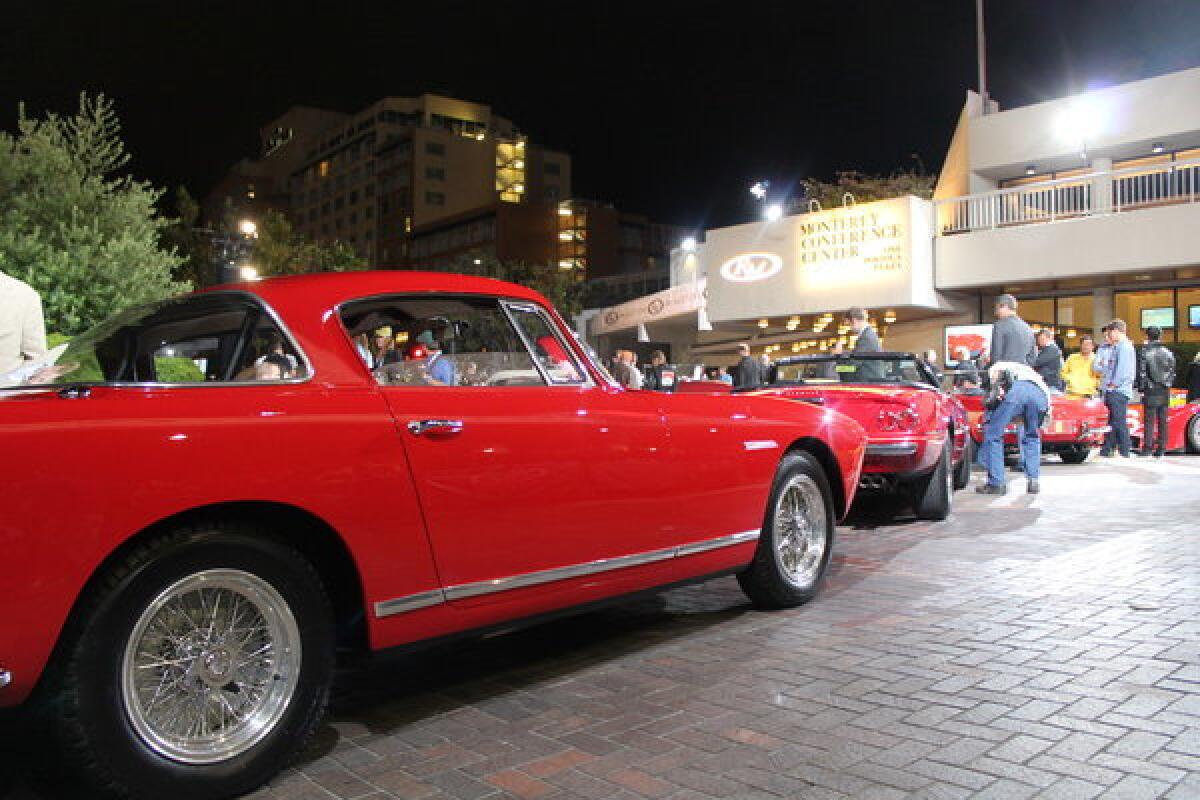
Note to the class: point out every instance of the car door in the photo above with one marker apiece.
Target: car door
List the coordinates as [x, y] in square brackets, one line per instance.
[525, 472]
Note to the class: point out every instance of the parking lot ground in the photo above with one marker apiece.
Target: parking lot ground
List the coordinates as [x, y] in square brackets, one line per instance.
[1040, 646]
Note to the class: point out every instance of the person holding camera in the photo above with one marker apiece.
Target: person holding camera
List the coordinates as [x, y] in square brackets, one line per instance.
[1018, 392]
[1156, 374]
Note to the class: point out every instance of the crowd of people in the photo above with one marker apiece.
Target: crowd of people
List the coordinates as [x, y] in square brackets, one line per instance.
[1025, 367]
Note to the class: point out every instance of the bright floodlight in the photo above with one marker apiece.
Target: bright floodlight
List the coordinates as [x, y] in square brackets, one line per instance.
[1083, 120]
[759, 190]
[688, 245]
[249, 273]
[773, 212]
[248, 227]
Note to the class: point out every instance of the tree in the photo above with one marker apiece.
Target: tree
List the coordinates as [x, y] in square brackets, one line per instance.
[193, 245]
[866, 188]
[560, 287]
[280, 250]
[76, 227]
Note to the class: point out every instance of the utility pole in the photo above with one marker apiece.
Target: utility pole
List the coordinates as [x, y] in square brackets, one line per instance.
[981, 52]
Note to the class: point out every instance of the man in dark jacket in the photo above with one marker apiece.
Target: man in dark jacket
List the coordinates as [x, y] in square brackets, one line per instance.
[1049, 360]
[654, 373]
[1155, 378]
[868, 340]
[749, 369]
[1012, 338]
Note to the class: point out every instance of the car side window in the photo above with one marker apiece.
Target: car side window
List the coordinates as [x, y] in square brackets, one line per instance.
[439, 340]
[551, 352]
[216, 338]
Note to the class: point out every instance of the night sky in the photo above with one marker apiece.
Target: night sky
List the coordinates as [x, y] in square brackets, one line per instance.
[670, 109]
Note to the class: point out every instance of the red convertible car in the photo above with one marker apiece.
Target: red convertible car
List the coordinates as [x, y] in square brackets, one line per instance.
[1074, 426]
[917, 438]
[218, 492]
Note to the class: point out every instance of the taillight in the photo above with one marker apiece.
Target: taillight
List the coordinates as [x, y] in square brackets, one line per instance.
[903, 420]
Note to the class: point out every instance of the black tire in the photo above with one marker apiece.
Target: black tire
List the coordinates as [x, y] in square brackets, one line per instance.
[1077, 454]
[82, 705]
[768, 582]
[1193, 434]
[962, 473]
[932, 494]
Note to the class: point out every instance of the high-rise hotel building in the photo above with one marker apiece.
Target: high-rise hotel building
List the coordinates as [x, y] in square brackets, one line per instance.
[377, 178]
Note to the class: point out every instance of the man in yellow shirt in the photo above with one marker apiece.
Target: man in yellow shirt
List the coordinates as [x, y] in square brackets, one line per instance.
[1077, 370]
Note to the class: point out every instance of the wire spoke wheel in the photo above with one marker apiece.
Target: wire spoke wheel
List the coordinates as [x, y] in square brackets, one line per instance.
[800, 528]
[211, 666]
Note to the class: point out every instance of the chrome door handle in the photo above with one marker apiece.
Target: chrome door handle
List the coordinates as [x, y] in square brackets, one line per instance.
[420, 426]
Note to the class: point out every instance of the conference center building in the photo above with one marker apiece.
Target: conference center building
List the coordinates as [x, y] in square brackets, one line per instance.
[1086, 208]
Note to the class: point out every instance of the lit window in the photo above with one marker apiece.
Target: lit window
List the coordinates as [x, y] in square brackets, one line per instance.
[323, 169]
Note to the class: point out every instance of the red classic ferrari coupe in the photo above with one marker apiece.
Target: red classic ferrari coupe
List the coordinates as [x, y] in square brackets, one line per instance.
[917, 434]
[218, 492]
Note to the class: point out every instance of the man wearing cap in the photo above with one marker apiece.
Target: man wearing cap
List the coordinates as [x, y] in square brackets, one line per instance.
[439, 370]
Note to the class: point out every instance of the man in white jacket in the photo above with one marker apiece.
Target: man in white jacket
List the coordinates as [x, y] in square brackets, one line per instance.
[1026, 398]
[22, 329]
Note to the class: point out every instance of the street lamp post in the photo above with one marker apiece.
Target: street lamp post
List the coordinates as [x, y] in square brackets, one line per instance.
[231, 252]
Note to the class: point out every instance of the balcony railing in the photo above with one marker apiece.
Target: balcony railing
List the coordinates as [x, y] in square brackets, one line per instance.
[1110, 192]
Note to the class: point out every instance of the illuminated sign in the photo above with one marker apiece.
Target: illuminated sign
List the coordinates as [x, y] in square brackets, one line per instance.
[751, 267]
[874, 255]
[864, 236]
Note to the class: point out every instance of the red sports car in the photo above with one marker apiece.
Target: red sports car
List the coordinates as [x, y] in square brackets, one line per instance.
[1183, 426]
[217, 494]
[1074, 426]
[917, 440]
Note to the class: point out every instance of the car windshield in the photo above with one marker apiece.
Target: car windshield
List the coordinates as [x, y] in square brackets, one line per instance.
[899, 368]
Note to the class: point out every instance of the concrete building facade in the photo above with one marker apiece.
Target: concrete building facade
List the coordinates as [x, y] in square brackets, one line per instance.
[1084, 207]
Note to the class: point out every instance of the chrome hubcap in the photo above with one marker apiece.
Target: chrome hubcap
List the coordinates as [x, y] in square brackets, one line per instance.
[211, 666]
[800, 529]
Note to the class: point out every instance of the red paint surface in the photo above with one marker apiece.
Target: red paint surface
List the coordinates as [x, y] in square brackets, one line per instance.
[935, 413]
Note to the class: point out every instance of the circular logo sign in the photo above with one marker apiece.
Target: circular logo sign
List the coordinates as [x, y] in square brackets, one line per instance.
[751, 267]
[655, 307]
[611, 318]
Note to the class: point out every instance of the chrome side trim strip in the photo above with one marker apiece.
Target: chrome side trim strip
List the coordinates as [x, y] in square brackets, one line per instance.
[465, 590]
[719, 542]
[898, 449]
[761, 444]
[412, 602]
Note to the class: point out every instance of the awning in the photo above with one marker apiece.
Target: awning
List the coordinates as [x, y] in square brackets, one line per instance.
[676, 301]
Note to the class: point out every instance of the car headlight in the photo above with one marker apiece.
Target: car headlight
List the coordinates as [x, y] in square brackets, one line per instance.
[900, 420]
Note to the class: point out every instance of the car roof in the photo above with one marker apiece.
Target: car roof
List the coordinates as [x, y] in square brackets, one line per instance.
[306, 306]
[329, 289]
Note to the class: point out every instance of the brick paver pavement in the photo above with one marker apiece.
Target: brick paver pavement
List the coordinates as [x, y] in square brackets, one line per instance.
[1029, 647]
